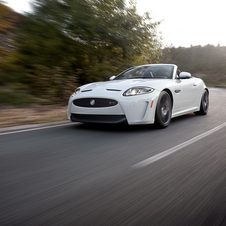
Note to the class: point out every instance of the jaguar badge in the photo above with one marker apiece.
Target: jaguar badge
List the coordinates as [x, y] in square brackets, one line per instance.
[92, 102]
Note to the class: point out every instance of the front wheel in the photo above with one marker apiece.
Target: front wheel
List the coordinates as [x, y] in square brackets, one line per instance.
[163, 111]
[204, 105]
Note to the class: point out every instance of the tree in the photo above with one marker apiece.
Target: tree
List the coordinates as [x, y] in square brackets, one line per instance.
[8, 20]
[84, 40]
[8, 26]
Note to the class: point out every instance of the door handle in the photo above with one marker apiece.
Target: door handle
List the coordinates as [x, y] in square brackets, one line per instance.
[194, 84]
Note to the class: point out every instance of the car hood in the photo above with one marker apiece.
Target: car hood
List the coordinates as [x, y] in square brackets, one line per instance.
[122, 85]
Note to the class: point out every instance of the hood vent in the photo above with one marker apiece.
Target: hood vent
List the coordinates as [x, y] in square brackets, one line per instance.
[88, 90]
[117, 90]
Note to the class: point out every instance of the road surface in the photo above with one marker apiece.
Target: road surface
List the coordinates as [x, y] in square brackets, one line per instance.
[117, 175]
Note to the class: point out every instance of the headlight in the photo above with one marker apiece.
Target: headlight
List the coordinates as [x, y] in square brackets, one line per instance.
[137, 91]
[76, 91]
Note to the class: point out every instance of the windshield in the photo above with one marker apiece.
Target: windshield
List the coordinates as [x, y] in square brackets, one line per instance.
[147, 72]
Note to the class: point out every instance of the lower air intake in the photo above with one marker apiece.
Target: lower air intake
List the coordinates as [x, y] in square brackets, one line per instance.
[112, 119]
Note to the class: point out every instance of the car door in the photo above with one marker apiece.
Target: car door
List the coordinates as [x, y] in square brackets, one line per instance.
[189, 93]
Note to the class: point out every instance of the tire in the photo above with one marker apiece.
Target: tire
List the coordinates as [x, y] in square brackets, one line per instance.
[163, 110]
[204, 105]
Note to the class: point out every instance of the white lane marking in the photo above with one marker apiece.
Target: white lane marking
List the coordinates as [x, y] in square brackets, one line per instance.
[33, 129]
[163, 154]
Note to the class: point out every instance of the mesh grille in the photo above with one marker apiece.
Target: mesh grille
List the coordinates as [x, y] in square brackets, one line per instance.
[95, 102]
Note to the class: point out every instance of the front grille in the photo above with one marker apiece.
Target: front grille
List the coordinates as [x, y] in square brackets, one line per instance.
[99, 118]
[95, 102]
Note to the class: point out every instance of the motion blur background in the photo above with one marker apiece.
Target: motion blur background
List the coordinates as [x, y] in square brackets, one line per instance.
[48, 48]
[75, 174]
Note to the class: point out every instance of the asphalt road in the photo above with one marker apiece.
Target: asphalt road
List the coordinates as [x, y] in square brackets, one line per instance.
[87, 175]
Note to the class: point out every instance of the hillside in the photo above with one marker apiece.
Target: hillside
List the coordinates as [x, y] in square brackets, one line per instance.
[206, 62]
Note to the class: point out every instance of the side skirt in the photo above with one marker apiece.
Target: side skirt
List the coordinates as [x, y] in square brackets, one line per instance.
[179, 113]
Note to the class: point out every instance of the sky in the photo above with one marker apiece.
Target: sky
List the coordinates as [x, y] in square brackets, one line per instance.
[183, 23]
[19, 6]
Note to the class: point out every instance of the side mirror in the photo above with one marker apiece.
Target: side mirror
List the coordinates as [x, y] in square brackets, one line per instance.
[184, 75]
[112, 77]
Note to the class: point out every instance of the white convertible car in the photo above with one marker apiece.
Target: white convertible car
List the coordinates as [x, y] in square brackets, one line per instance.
[145, 94]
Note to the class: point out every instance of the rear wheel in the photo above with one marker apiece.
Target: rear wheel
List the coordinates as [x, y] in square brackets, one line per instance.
[163, 110]
[204, 105]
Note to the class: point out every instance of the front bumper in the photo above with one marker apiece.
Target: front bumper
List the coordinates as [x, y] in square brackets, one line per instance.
[133, 109]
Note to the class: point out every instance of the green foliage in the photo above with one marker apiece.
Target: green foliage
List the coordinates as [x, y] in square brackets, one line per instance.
[89, 38]
[64, 42]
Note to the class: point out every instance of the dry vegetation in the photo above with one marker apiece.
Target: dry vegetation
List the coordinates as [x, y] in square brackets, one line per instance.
[30, 115]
